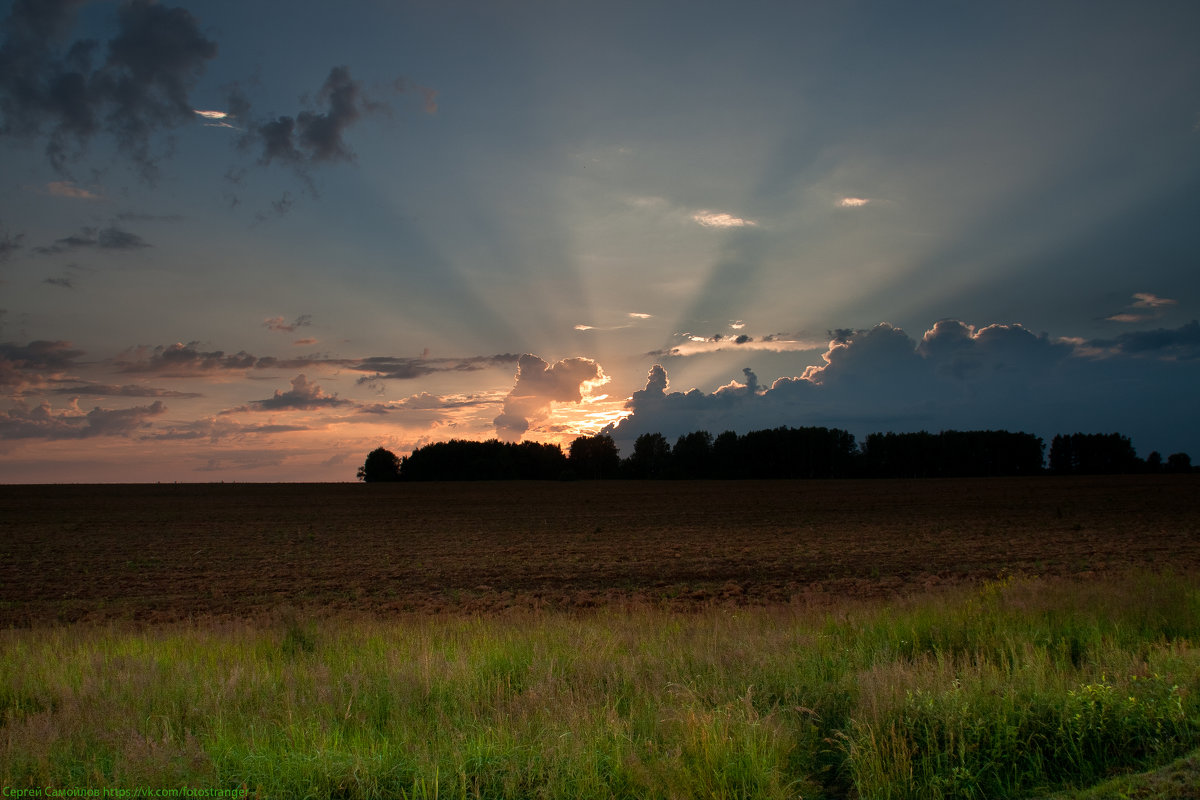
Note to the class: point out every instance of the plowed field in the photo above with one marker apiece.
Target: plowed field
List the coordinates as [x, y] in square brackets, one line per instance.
[171, 552]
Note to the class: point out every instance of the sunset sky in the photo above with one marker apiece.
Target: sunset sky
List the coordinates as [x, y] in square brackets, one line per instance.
[244, 242]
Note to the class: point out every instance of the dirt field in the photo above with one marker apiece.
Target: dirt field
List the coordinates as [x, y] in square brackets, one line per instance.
[170, 552]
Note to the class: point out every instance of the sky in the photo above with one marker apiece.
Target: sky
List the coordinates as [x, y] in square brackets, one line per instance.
[242, 243]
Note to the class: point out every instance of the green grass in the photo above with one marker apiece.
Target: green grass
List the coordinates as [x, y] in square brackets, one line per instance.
[1018, 688]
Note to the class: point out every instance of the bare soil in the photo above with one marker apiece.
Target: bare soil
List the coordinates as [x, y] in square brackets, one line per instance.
[158, 553]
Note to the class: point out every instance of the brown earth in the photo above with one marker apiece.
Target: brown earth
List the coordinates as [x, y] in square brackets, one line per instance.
[172, 552]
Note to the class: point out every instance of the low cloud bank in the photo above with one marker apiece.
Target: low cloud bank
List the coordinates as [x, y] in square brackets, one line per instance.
[954, 376]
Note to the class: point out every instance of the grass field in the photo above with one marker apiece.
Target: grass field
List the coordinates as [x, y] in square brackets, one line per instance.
[615, 640]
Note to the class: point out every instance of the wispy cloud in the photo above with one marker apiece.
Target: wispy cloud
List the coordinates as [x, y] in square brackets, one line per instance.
[190, 360]
[393, 368]
[720, 219]
[1149, 306]
[110, 238]
[854, 202]
[216, 119]
[280, 324]
[70, 190]
[693, 344]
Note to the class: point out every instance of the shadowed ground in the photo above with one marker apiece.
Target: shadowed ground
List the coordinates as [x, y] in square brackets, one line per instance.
[168, 552]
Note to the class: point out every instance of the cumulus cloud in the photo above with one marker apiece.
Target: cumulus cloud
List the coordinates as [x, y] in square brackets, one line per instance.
[954, 376]
[42, 422]
[32, 363]
[139, 87]
[539, 386]
[303, 396]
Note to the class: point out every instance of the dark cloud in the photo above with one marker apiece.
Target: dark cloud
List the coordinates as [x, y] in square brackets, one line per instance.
[313, 136]
[189, 360]
[392, 368]
[110, 238]
[141, 86]
[1181, 343]
[538, 386]
[303, 396]
[134, 216]
[183, 360]
[21, 365]
[215, 429]
[41, 422]
[9, 243]
[125, 390]
[64, 282]
[280, 324]
[955, 376]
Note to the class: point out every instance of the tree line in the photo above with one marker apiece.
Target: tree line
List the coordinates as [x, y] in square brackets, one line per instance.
[784, 452]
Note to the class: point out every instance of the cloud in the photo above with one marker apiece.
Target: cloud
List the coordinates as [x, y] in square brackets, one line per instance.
[719, 342]
[1150, 307]
[399, 368]
[139, 89]
[279, 324]
[24, 365]
[9, 244]
[954, 376]
[70, 190]
[188, 360]
[303, 396]
[216, 119]
[41, 422]
[717, 219]
[110, 238]
[125, 390]
[539, 386]
[1182, 343]
[314, 136]
[853, 202]
[215, 429]
[183, 360]
[1147, 300]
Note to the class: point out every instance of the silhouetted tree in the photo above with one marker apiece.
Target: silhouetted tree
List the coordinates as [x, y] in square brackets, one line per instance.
[593, 457]
[651, 457]
[692, 455]
[381, 465]
[1154, 462]
[1092, 454]
[1179, 463]
[952, 454]
[727, 456]
[466, 460]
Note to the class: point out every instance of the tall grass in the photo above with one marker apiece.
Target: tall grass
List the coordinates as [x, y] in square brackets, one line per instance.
[1017, 687]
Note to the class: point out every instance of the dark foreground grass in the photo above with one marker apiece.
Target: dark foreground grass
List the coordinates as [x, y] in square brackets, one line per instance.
[1016, 689]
